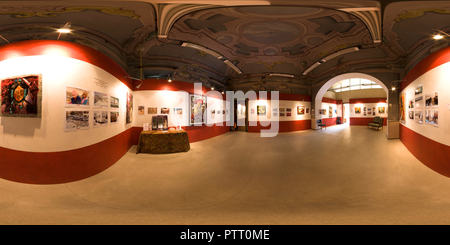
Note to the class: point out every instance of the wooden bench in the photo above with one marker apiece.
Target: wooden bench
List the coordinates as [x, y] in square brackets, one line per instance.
[376, 123]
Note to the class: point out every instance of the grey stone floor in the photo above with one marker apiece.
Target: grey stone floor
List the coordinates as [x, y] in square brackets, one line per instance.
[341, 175]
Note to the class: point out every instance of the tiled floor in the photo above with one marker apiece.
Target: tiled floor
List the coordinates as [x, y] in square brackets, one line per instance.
[341, 175]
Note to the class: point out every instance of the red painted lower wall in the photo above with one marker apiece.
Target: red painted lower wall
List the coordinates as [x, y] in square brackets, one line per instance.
[284, 126]
[330, 121]
[433, 154]
[64, 166]
[363, 121]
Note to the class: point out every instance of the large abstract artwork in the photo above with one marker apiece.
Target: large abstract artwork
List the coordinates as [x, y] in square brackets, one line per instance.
[21, 96]
[197, 109]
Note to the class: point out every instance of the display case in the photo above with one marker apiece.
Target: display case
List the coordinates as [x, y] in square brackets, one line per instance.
[160, 122]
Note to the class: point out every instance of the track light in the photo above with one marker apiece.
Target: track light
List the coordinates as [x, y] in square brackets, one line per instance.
[169, 79]
[437, 34]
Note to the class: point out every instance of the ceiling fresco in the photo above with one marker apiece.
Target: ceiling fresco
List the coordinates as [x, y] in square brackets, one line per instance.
[243, 43]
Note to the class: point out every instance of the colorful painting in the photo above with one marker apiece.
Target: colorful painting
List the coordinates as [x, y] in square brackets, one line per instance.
[197, 109]
[101, 118]
[381, 110]
[129, 111]
[261, 110]
[76, 120]
[77, 97]
[300, 110]
[21, 96]
[358, 110]
[114, 116]
[114, 102]
[100, 100]
[165, 110]
[402, 108]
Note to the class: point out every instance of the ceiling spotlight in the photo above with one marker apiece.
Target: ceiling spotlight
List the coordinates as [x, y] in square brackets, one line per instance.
[65, 29]
[169, 79]
[212, 88]
[437, 34]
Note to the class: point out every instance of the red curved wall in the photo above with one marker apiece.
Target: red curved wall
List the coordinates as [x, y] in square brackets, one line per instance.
[64, 166]
[433, 154]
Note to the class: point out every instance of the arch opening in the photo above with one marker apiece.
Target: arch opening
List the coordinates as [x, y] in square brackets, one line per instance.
[318, 100]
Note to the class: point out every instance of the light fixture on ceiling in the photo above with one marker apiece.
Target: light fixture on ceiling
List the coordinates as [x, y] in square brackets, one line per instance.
[169, 79]
[138, 86]
[396, 81]
[338, 53]
[311, 68]
[230, 64]
[437, 34]
[65, 29]
[203, 49]
[280, 75]
[4, 39]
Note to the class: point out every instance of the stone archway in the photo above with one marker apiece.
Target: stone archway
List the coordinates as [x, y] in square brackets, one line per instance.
[331, 82]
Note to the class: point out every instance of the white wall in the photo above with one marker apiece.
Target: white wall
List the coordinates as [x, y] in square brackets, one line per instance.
[46, 134]
[435, 80]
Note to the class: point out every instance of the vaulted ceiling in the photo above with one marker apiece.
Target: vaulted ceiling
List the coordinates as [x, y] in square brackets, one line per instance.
[242, 43]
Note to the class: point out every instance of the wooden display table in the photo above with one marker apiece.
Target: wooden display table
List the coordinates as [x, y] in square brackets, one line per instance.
[159, 142]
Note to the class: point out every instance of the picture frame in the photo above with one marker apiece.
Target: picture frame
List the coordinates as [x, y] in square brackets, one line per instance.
[100, 100]
[76, 120]
[77, 97]
[21, 96]
[197, 109]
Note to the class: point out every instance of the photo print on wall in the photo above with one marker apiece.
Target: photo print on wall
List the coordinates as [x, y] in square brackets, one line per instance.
[165, 110]
[77, 97]
[76, 120]
[431, 100]
[101, 118]
[141, 110]
[431, 117]
[100, 100]
[178, 111]
[358, 110]
[21, 96]
[114, 102]
[418, 117]
[114, 117]
[261, 110]
[152, 110]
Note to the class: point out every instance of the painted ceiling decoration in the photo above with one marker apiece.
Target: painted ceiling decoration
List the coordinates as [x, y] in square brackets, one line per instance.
[240, 42]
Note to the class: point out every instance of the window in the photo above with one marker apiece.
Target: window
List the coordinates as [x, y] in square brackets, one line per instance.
[354, 84]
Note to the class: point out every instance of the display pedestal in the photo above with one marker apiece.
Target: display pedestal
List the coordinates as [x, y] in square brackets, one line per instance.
[160, 142]
[393, 130]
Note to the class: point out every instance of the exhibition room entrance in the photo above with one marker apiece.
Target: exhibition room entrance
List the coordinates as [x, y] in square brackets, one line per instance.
[353, 99]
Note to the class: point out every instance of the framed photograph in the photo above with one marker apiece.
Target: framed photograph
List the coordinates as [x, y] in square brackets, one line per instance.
[100, 100]
[431, 100]
[197, 109]
[418, 102]
[431, 117]
[213, 111]
[307, 110]
[113, 117]
[411, 104]
[418, 117]
[178, 111]
[330, 112]
[402, 108]
[165, 110]
[261, 110]
[77, 97]
[281, 114]
[21, 96]
[114, 102]
[288, 114]
[129, 111]
[282, 110]
[381, 110]
[76, 120]
[101, 118]
[252, 110]
[418, 90]
[358, 110]
[141, 110]
[411, 115]
[288, 109]
[152, 110]
[300, 110]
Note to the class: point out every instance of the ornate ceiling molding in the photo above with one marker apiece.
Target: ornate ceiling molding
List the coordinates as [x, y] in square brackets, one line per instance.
[419, 12]
[371, 17]
[55, 12]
